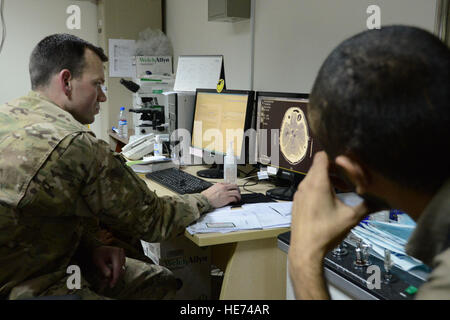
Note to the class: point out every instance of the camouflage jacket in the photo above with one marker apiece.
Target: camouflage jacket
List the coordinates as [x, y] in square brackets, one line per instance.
[55, 178]
[430, 242]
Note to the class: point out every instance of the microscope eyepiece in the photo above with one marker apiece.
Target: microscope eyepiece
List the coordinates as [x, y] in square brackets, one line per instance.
[130, 85]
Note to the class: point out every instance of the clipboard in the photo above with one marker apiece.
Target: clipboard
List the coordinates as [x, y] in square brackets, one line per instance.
[199, 71]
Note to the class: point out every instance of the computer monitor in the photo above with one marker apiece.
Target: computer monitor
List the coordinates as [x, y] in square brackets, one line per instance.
[221, 118]
[285, 140]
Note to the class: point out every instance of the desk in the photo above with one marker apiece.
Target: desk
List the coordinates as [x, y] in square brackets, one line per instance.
[116, 143]
[254, 268]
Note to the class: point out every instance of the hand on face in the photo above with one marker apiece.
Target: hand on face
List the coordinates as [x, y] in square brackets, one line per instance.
[222, 194]
[320, 221]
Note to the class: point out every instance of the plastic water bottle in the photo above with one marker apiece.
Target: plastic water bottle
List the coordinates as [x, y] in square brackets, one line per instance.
[157, 148]
[123, 127]
[230, 166]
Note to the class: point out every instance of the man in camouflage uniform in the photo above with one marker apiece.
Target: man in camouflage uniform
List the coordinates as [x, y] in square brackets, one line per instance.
[57, 180]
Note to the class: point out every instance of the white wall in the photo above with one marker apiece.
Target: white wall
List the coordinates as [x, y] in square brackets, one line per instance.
[190, 33]
[29, 21]
[292, 37]
[301, 34]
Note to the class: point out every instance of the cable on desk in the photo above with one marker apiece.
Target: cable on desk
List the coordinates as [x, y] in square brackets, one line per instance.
[254, 184]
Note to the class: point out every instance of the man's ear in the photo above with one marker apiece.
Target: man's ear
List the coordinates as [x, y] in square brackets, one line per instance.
[64, 78]
[356, 172]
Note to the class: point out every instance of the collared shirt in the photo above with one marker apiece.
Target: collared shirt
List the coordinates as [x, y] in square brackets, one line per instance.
[55, 178]
[430, 243]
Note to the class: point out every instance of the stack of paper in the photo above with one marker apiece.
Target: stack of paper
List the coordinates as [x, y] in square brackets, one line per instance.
[273, 214]
[151, 164]
[392, 236]
[380, 235]
[249, 217]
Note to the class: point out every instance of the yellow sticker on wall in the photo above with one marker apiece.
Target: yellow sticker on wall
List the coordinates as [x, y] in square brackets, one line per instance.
[220, 85]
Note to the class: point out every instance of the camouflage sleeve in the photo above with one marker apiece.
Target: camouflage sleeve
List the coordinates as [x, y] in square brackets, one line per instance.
[122, 201]
[89, 239]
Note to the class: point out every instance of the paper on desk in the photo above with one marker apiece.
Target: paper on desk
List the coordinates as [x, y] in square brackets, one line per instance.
[249, 217]
[271, 215]
[225, 221]
[283, 208]
[270, 220]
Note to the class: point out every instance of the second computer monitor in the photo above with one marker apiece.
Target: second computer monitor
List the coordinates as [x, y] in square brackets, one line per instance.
[285, 140]
[221, 118]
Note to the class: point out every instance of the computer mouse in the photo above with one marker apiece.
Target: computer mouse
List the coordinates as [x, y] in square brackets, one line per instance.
[236, 204]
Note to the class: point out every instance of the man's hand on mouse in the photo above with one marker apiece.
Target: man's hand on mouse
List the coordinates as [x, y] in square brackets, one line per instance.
[221, 194]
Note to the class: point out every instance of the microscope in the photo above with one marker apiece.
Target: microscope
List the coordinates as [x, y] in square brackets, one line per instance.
[159, 111]
[150, 116]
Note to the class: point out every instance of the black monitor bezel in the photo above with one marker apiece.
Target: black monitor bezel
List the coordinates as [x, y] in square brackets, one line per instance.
[247, 123]
[275, 94]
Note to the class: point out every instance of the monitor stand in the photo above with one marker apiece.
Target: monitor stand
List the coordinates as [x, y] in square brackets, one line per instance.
[216, 172]
[286, 193]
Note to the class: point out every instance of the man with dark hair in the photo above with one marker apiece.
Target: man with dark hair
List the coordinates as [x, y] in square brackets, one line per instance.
[55, 53]
[57, 179]
[379, 106]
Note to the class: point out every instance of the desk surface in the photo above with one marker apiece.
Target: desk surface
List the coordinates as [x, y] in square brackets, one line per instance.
[254, 268]
[207, 239]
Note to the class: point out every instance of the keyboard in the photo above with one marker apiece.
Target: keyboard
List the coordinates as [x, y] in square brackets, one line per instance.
[179, 181]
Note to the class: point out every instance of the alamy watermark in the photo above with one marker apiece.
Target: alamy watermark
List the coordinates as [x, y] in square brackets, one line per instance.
[213, 139]
[374, 280]
[74, 19]
[374, 20]
[74, 280]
